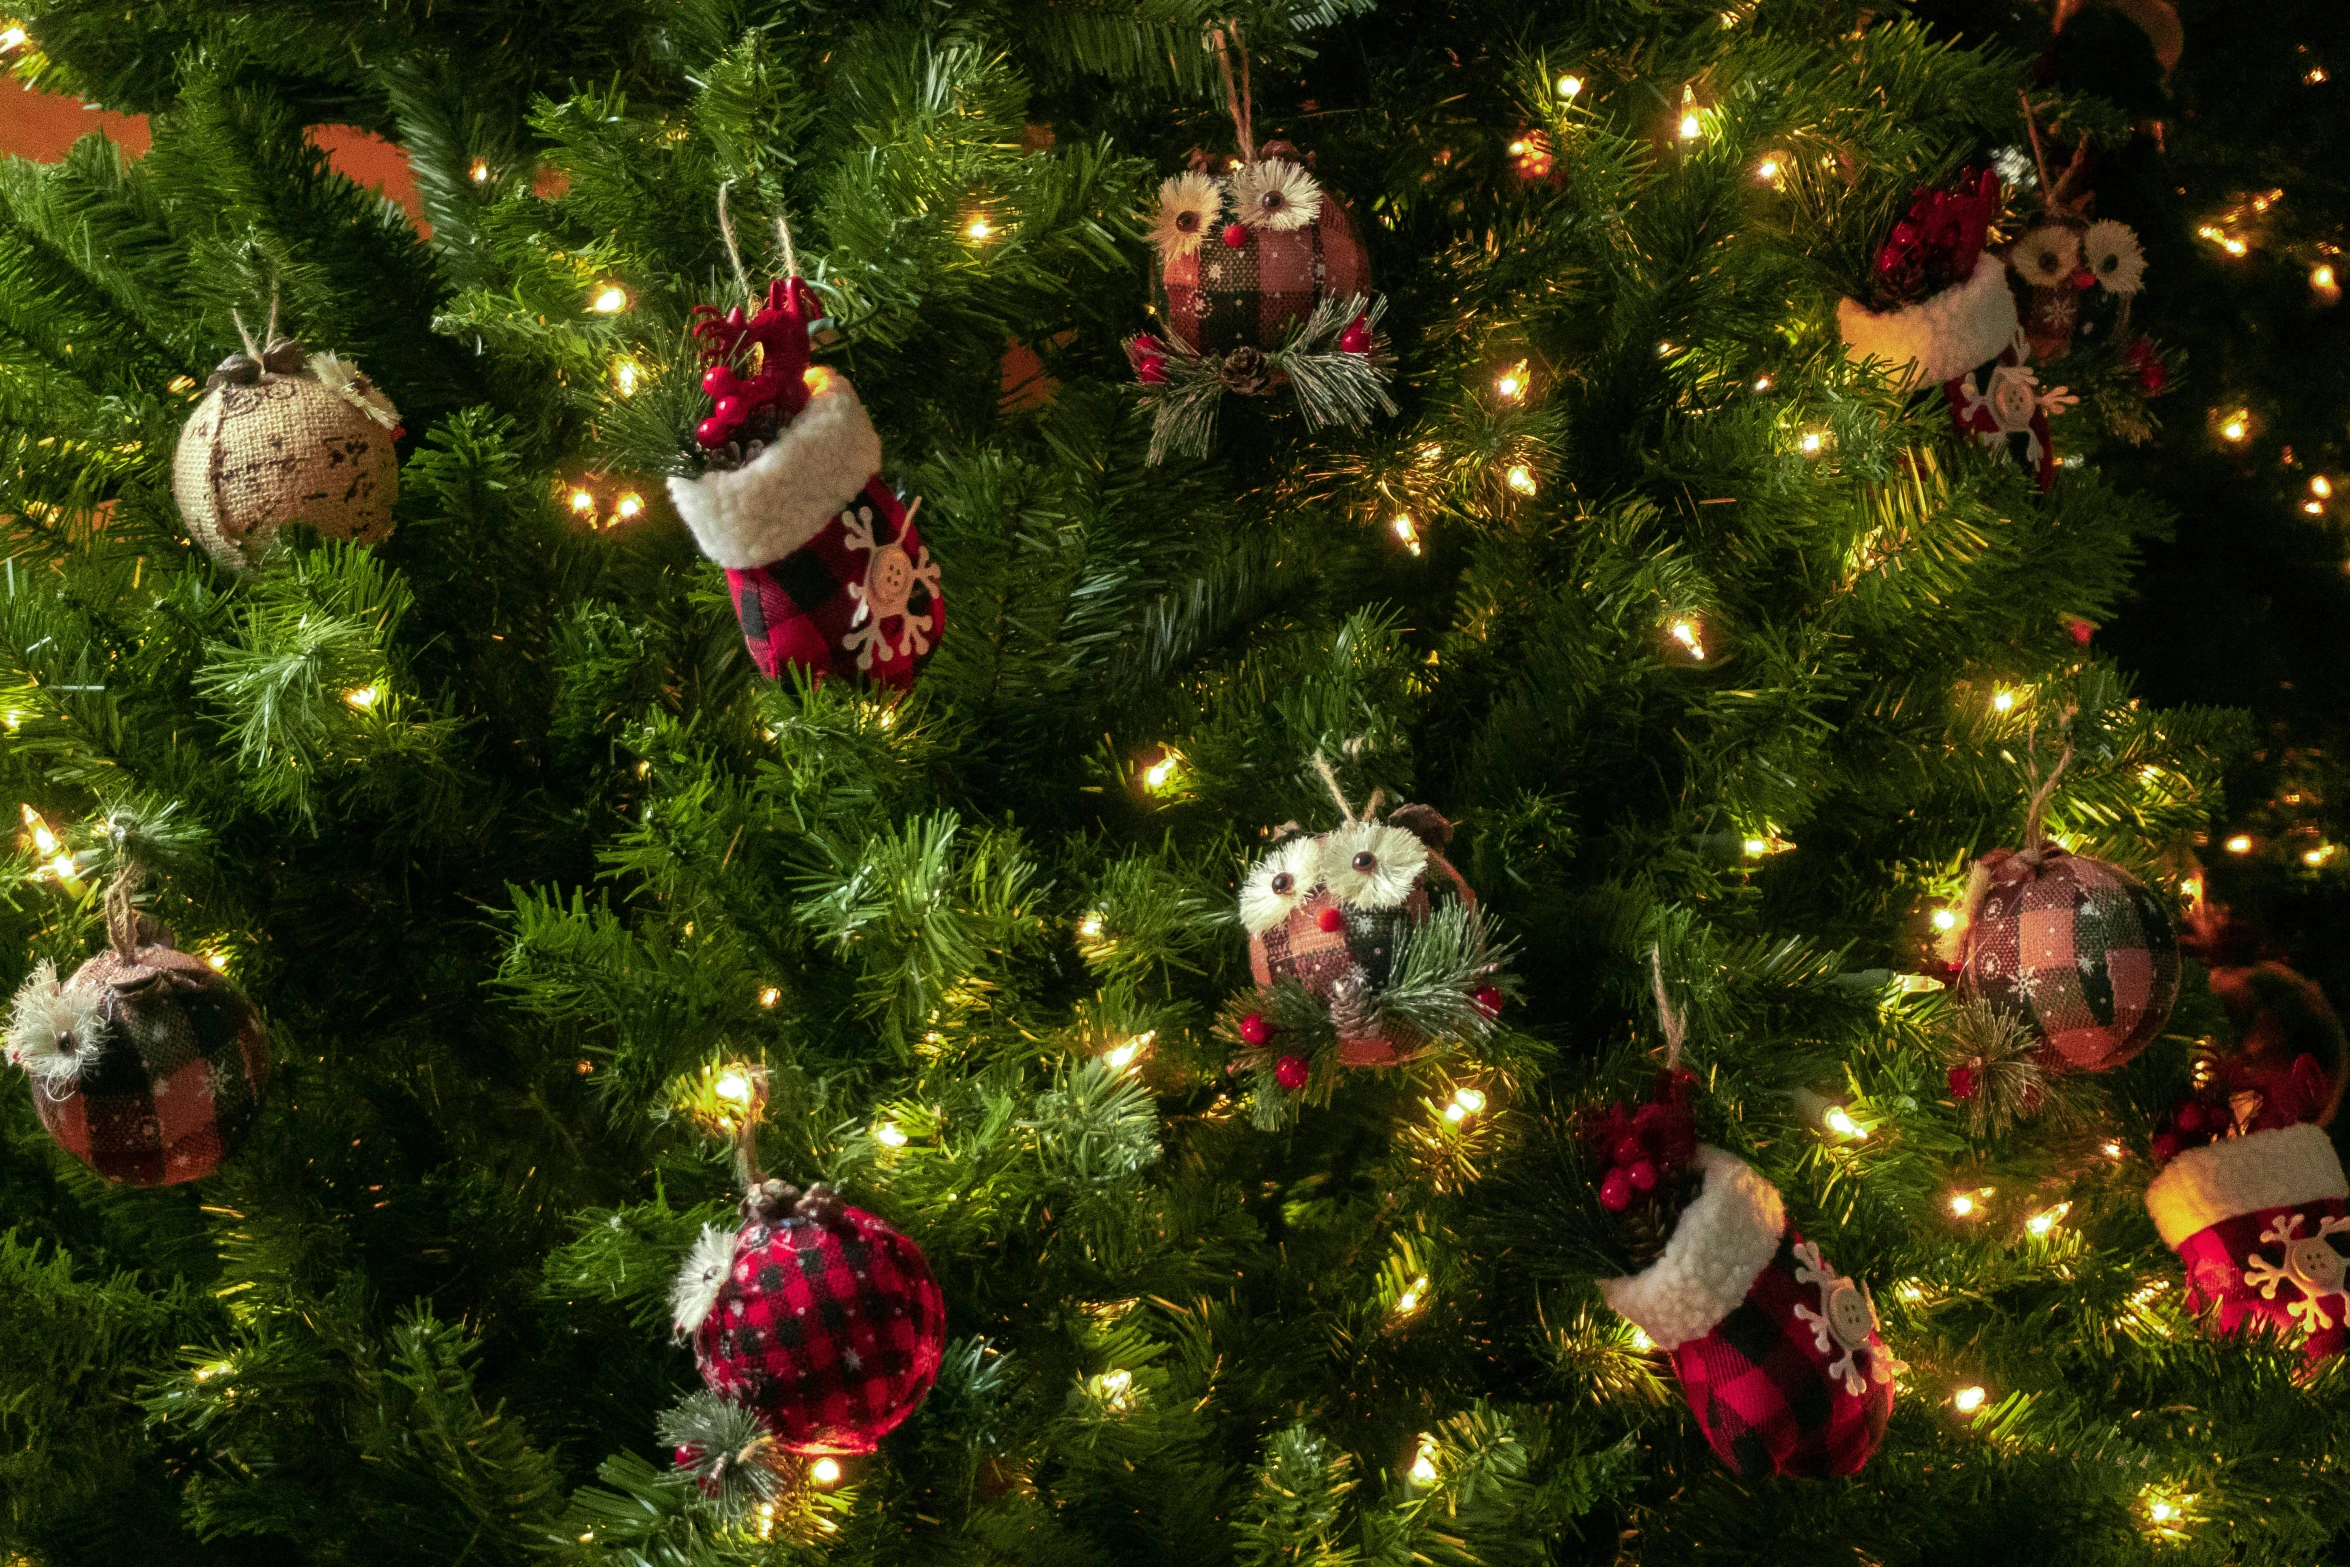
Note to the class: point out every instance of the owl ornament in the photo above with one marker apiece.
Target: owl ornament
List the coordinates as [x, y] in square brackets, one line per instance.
[1339, 920]
[1259, 283]
[826, 569]
[2251, 1195]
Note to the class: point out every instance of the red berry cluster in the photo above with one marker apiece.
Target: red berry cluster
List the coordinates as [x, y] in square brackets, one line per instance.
[2267, 1101]
[1935, 246]
[1642, 1149]
[773, 346]
[1290, 1071]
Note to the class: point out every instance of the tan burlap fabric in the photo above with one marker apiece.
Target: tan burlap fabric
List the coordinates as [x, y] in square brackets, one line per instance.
[253, 458]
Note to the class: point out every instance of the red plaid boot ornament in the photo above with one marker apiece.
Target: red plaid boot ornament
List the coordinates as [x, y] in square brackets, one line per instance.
[147, 1065]
[1779, 1357]
[2251, 1196]
[817, 1317]
[825, 566]
[1332, 913]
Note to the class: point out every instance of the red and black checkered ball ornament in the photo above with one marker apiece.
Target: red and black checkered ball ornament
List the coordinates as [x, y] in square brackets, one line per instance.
[2074, 948]
[1779, 1357]
[146, 1065]
[825, 566]
[1332, 911]
[817, 1317]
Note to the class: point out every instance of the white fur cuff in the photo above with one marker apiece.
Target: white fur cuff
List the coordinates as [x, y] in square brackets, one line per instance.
[778, 501]
[2281, 1169]
[1940, 337]
[1724, 1239]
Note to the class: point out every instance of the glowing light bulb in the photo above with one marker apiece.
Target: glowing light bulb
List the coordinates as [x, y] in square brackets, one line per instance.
[2321, 486]
[1839, 1120]
[1123, 1056]
[628, 506]
[610, 300]
[2317, 856]
[1511, 384]
[1569, 86]
[1946, 919]
[1968, 1399]
[734, 1087]
[12, 38]
[769, 995]
[978, 227]
[1768, 169]
[1090, 927]
[2003, 701]
[43, 839]
[1159, 772]
[582, 503]
[2113, 1150]
[1691, 127]
[2239, 844]
[1517, 149]
[1962, 1205]
[888, 1135]
[1811, 443]
[1762, 383]
[1409, 1301]
[2039, 1224]
[1407, 533]
[825, 1471]
[2236, 427]
[362, 697]
[217, 962]
[625, 375]
[1685, 633]
[1115, 1388]
[1469, 1101]
[2161, 1512]
[1520, 478]
[1641, 1342]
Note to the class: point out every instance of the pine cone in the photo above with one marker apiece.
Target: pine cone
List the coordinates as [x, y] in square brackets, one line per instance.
[1643, 1229]
[1247, 371]
[1354, 1012]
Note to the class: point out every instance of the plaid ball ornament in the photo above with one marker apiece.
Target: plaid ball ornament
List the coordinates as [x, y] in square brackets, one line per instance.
[823, 562]
[817, 1317]
[1331, 912]
[146, 1065]
[2074, 948]
[2258, 1221]
[1779, 1357]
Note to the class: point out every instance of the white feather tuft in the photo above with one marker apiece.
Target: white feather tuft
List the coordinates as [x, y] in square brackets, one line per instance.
[55, 1029]
[1262, 905]
[699, 1281]
[1396, 860]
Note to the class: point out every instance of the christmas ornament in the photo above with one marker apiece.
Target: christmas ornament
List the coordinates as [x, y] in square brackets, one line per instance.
[285, 436]
[146, 1065]
[1331, 919]
[2251, 1196]
[1779, 1358]
[2071, 947]
[816, 1317]
[1259, 282]
[826, 569]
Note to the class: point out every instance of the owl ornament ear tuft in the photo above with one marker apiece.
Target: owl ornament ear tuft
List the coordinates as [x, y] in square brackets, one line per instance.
[1423, 822]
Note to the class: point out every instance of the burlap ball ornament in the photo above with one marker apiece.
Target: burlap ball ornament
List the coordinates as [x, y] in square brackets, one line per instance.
[2075, 949]
[1333, 913]
[146, 1065]
[817, 1317]
[282, 436]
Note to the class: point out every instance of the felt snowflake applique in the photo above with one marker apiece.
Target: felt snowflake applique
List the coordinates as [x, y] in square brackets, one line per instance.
[891, 576]
[2311, 1266]
[1846, 1320]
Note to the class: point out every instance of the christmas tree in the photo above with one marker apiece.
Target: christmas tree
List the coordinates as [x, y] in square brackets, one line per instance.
[585, 893]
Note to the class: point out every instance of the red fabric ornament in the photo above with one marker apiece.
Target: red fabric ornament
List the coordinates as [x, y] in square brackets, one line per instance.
[2077, 950]
[825, 567]
[1962, 1082]
[1291, 1072]
[1254, 1029]
[2258, 1221]
[146, 1065]
[1779, 1358]
[827, 1323]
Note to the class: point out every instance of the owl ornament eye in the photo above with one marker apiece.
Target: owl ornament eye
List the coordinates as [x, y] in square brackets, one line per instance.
[1276, 194]
[2113, 257]
[2047, 256]
[1279, 883]
[1188, 204]
[1371, 865]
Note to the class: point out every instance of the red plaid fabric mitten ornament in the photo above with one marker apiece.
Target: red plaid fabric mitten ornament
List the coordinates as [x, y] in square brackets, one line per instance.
[2253, 1203]
[825, 566]
[147, 1065]
[2073, 947]
[817, 1317]
[1779, 1358]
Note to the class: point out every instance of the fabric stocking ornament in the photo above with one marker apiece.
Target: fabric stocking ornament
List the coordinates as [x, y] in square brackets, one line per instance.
[823, 562]
[2251, 1196]
[1779, 1358]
